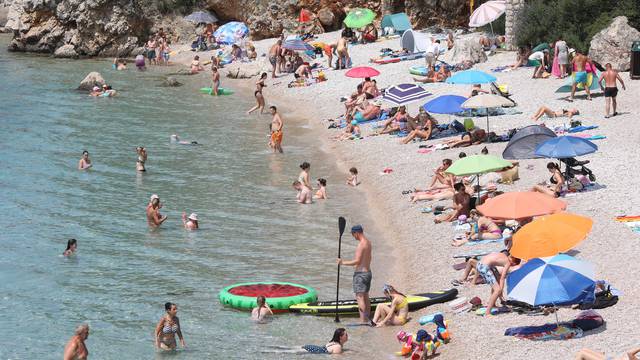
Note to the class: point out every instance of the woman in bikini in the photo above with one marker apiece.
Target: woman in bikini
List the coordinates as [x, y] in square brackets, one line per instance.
[335, 346]
[543, 110]
[485, 229]
[258, 94]
[557, 181]
[84, 162]
[397, 123]
[142, 158]
[322, 190]
[167, 329]
[395, 313]
[303, 177]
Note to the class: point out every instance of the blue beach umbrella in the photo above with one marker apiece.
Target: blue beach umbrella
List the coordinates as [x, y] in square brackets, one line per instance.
[471, 77]
[557, 280]
[563, 147]
[231, 33]
[445, 104]
[404, 94]
[297, 45]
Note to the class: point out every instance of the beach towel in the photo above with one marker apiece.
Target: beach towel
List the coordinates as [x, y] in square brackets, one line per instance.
[545, 332]
[472, 254]
[555, 68]
[501, 69]
[482, 242]
[582, 128]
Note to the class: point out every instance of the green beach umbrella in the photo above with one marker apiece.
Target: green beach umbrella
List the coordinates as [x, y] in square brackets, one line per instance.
[358, 18]
[477, 164]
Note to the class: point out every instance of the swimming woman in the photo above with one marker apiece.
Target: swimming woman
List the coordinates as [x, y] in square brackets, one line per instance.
[142, 158]
[72, 245]
[260, 312]
[258, 94]
[167, 329]
[303, 177]
[84, 162]
[176, 140]
[322, 190]
[395, 313]
[335, 346]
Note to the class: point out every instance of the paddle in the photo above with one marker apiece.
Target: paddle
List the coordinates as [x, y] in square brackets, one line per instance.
[342, 223]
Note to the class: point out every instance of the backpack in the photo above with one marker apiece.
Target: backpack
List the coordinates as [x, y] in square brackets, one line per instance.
[603, 300]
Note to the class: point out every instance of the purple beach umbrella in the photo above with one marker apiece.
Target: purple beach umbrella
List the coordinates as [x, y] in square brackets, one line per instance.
[404, 94]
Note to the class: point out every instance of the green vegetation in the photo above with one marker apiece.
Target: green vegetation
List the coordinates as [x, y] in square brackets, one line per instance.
[575, 21]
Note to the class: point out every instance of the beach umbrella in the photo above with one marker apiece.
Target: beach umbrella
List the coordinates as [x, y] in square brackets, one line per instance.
[445, 104]
[201, 17]
[550, 235]
[471, 77]
[358, 18]
[486, 101]
[404, 94]
[557, 280]
[520, 205]
[523, 144]
[362, 72]
[487, 13]
[231, 33]
[563, 147]
[476, 165]
[297, 45]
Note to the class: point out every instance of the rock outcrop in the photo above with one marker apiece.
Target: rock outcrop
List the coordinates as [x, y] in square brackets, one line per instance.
[171, 82]
[466, 50]
[613, 44]
[90, 27]
[66, 51]
[91, 80]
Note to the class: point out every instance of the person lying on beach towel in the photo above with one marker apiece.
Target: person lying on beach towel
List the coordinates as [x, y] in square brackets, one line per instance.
[434, 76]
[474, 137]
[483, 229]
[352, 131]
[556, 187]
[543, 110]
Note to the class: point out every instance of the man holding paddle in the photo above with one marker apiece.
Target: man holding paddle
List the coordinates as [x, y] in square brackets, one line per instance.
[362, 274]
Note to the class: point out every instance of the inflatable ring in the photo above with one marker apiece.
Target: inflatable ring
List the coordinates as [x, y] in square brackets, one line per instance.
[280, 295]
[221, 91]
[418, 70]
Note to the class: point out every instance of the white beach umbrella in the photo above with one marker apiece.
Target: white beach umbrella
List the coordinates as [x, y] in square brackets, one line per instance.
[486, 101]
[487, 13]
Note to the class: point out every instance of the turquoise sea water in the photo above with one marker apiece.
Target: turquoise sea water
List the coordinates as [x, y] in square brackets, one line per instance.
[251, 228]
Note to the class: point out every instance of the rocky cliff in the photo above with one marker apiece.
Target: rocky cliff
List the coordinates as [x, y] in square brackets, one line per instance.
[72, 28]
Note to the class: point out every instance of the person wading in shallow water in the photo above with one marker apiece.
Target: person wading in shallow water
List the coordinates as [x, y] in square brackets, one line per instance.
[76, 349]
[362, 274]
[276, 130]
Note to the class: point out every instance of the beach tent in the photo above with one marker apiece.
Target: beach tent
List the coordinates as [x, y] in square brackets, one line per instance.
[399, 22]
[523, 144]
[414, 41]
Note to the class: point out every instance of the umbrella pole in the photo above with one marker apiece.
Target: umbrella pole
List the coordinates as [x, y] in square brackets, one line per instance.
[487, 120]
[491, 25]
[478, 192]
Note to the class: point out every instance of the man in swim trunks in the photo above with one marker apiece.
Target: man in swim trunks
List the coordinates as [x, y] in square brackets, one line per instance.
[76, 349]
[580, 63]
[274, 53]
[151, 52]
[484, 269]
[611, 77]
[343, 52]
[276, 130]
[362, 274]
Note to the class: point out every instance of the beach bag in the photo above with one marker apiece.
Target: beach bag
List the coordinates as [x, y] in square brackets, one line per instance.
[575, 185]
[457, 126]
[511, 175]
[604, 299]
[468, 124]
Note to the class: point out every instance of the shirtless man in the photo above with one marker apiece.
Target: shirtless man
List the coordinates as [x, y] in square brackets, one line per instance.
[368, 87]
[154, 218]
[304, 194]
[362, 273]
[76, 349]
[274, 53]
[215, 79]
[580, 63]
[461, 203]
[497, 286]
[610, 77]
[276, 130]
[343, 52]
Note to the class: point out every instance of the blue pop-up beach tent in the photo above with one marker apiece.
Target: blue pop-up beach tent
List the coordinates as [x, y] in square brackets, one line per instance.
[399, 22]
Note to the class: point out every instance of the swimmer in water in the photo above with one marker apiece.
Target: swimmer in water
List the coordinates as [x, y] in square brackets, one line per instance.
[175, 139]
[95, 91]
[72, 245]
[335, 346]
[191, 222]
[167, 329]
[154, 218]
[322, 190]
[142, 158]
[119, 64]
[84, 162]
[260, 312]
[353, 179]
[76, 349]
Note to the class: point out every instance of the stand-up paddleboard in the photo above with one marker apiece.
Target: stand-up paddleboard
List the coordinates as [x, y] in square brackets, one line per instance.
[350, 307]
[221, 91]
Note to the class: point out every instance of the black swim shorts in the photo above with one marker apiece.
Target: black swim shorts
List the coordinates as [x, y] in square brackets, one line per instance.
[610, 92]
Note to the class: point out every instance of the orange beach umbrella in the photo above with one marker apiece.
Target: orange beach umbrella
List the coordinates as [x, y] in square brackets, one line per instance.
[520, 205]
[550, 235]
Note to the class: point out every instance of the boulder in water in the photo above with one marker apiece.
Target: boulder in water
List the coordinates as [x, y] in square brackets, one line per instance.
[171, 82]
[66, 51]
[466, 50]
[613, 44]
[91, 80]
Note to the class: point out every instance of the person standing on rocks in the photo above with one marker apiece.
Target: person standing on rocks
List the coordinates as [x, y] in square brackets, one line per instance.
[610, 77]
[580, 63]
[362, 275]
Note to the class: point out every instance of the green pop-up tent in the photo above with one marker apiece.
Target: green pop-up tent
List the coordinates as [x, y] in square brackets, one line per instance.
[399, 22]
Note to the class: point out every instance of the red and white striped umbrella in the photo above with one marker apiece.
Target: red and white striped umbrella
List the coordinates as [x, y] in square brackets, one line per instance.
[487, 13]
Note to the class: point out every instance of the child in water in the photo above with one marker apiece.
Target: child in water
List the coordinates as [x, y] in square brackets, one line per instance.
[260, 312]
[322, 189]
[72, 245]
[353, 179]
